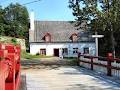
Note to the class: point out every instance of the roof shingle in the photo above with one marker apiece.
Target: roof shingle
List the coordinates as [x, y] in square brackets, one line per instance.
[60, 31]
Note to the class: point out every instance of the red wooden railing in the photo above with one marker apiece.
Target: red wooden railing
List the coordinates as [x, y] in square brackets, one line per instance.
[9, 67]
[108, 65]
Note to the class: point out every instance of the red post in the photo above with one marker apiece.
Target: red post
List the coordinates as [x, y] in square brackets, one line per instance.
[3, 67]
[78, 59]
[9, 67]
[3, 74]
[91, 63]
[110, 58]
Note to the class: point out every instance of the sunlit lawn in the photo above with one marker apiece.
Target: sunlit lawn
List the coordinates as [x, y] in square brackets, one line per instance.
[30, 56]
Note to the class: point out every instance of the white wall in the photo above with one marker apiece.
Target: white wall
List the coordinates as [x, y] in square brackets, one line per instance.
[35, 48]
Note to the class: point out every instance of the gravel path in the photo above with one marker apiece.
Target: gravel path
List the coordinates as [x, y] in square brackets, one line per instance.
[66, 78]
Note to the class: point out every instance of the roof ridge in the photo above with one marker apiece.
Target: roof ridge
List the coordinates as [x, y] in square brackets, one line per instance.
[52, 21]
[60, 30]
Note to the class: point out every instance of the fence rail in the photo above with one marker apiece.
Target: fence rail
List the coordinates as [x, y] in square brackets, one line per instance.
[9, 67]
[107, 65]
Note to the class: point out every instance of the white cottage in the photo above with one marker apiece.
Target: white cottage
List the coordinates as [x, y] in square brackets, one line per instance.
[59, 38]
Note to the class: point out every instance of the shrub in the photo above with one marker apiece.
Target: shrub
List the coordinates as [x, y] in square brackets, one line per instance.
[37, 53]
[14, 41]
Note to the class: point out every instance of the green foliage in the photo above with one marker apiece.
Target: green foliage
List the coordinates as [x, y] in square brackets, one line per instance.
[25, 55]
[16, 17]
[38, 53]
[14, 21]
[99, 13]
[102, 16]
[14, 41]
[104, 43]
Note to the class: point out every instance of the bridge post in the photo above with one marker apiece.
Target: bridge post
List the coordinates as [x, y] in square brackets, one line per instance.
[78, 59]
[9, 67]
[91, 63]
[109, 60]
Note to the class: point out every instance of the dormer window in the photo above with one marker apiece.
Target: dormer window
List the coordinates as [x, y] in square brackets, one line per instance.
[74, 37]
[47, 37]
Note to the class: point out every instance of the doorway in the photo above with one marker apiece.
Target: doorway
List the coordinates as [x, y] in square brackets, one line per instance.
[56, 52]
[42, 51]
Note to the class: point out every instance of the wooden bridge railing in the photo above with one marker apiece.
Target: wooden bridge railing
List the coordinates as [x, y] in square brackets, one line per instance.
[9, 67]
[108, 65]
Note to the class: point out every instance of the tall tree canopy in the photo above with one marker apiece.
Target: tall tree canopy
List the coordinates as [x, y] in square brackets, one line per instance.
[16, 20]
[102, 15]
[2, 22]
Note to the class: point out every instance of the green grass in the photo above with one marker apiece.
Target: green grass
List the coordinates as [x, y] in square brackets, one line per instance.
[72, 60]
[29, 56]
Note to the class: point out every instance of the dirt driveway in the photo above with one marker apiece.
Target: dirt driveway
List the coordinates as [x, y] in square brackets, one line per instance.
[66, 78]
[58, 74]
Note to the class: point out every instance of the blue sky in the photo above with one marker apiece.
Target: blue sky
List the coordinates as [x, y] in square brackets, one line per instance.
[50, 10]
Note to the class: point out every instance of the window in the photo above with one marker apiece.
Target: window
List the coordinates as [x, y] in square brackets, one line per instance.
[43, 51]
[65, 50]
[47, 37]
[75, 50]
[74, 37]
[86, 50]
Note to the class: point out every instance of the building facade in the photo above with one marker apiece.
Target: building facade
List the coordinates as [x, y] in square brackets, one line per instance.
[59, 38]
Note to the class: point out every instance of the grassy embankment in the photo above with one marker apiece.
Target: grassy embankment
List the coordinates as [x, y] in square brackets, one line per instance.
[28, 56]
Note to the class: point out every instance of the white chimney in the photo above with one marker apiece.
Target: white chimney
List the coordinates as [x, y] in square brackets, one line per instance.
[32, 21]
[32, 28]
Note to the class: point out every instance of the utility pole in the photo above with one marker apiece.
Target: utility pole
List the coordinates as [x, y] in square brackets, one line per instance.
[96, 36]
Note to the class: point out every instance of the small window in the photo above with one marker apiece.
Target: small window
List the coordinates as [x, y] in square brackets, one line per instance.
[75, 50]
[65, 51]
[43, 51]
[74, 37]
[86, 50]
[47, 37]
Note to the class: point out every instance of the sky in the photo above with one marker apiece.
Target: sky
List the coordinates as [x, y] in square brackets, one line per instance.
[46, 10]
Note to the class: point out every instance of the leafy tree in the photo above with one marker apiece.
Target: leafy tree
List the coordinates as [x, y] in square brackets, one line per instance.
[102, 15]
[2, 25]
[16, 20]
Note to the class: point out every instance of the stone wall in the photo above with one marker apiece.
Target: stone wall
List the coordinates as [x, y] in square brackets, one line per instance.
[5, 39]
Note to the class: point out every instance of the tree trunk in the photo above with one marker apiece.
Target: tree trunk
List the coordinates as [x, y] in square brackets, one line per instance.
[112, 42]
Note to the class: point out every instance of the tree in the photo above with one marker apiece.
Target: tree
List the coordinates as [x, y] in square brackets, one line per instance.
[102, 15]
[16, 20]
[111, 18]
[2, 25]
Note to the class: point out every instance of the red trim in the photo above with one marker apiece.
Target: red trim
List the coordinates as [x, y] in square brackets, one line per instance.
[49, 35]
[74, 34]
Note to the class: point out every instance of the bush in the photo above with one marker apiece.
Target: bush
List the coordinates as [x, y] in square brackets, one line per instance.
[38, 53]
[14, 41]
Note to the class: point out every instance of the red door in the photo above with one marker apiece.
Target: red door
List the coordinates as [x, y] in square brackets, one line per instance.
[56, 52]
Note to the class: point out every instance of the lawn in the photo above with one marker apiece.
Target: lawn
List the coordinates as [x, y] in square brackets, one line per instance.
[25, 55]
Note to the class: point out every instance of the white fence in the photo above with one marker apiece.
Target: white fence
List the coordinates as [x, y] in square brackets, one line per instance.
[101, 66]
